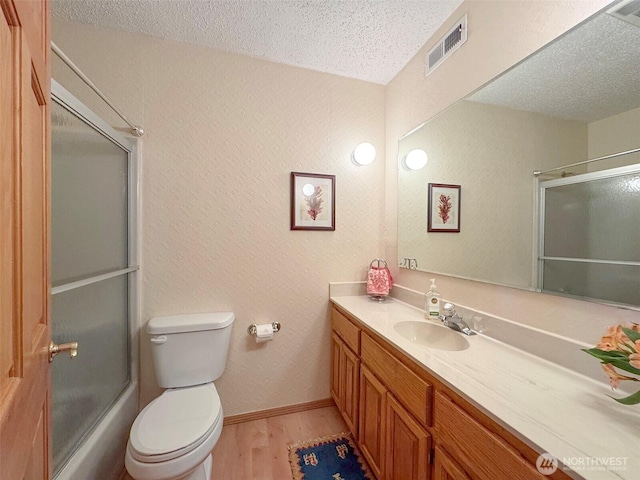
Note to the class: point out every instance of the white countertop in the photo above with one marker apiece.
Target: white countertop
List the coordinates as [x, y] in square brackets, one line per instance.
[551, 408]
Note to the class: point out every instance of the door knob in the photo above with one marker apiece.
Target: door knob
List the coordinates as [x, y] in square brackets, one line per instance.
[54, 349]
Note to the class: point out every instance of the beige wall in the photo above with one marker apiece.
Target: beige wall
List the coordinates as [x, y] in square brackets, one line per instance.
[615, 134]
[501, 33]
[223, 134]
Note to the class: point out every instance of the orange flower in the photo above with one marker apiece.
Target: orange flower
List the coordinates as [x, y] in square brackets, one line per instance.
[614, 377]
[614, 339]
[616, 347]
[634, 360]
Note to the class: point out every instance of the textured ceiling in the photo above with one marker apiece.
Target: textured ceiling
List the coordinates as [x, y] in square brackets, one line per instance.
[591, 73]
[366, 39]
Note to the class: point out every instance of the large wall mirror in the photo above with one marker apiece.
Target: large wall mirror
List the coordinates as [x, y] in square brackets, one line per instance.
[576, 99]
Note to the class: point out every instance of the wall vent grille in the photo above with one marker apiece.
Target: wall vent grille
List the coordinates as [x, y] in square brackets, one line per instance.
[628, 10]
[447, 45]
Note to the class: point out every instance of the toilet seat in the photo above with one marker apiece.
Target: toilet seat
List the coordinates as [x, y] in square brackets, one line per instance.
[175, 423]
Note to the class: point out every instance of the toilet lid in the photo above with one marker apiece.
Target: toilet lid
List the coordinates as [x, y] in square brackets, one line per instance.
[175, 423]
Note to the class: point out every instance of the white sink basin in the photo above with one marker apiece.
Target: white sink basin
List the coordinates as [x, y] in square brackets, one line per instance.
[431, 335]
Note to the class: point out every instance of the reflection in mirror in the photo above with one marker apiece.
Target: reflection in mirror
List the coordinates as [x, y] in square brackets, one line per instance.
[576, 99]
[416, 159]
[589, 231]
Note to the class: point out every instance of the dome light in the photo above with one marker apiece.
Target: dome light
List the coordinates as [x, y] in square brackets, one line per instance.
[415, 160]
[364, 154]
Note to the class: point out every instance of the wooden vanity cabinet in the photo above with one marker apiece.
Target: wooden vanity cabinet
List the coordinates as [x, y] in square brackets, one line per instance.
[404, 412]
[394, 444]
[413, 391]
[445, 468]
[407, 445]
[411, 426]
[476, 448]
[373, 411]
[390, 433]
[345, 376]
[345, 369]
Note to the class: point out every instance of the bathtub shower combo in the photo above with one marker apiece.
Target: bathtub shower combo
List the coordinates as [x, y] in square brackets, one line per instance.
[95, 202]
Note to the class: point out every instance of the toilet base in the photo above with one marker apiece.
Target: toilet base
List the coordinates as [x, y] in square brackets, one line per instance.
[202, 472]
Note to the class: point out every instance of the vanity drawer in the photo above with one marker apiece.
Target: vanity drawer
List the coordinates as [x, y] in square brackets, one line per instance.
[346, 330]
[411, 390]
[477, 448]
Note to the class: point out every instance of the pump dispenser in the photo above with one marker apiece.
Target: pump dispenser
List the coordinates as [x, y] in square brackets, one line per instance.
[433, 301]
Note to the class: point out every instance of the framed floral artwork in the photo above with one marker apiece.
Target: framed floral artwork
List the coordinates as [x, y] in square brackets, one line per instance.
[443, 208]
[313, 204]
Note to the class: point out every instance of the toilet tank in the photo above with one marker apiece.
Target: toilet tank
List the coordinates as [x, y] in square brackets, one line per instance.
[189, 349]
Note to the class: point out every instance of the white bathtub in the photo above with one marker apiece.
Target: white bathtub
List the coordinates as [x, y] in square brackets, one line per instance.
[101, 455]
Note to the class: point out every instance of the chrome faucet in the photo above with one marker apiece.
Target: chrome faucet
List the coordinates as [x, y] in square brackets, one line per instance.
[454, 321]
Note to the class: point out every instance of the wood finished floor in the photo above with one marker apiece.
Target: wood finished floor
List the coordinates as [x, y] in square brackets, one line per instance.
[257, 450]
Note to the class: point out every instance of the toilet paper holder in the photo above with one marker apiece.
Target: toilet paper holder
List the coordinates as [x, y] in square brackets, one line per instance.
[253, 328]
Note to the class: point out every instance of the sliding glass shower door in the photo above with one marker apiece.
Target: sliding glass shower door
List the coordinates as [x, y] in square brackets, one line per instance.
[93, 257]
[590, 227]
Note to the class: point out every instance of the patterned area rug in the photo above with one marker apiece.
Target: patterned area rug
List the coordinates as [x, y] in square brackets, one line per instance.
[328, 458]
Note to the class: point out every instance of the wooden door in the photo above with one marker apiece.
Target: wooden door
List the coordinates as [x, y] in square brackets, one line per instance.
[445, 468]
[25, 380]
[407, 445]
[373, 400]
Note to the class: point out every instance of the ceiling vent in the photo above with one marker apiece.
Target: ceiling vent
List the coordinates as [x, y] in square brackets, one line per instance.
[628, 10]
[447, 45]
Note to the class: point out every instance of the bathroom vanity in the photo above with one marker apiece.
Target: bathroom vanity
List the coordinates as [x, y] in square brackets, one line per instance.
[479, 409]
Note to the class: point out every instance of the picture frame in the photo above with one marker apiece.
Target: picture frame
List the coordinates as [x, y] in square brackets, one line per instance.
[313, 204]
[443, 208]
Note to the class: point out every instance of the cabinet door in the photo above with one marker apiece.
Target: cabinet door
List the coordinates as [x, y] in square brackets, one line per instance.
[373, 400]
[407, 445]
[445, 468]
[336, 348]
[345, 382]
[478, 449]
[350, 383]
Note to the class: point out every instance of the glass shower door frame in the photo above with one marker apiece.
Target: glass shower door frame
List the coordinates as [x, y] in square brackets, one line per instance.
[130, 145]
[581, 178]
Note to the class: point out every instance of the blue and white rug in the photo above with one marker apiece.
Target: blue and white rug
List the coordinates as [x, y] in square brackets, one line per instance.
[328, 458]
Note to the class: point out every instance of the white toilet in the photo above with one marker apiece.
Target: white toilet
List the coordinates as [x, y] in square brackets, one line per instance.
[172, 438]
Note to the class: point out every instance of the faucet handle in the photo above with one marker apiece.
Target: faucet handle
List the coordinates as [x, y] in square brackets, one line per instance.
[449, 309]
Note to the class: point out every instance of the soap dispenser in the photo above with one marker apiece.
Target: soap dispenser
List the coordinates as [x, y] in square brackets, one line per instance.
[433, 301]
